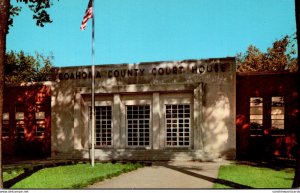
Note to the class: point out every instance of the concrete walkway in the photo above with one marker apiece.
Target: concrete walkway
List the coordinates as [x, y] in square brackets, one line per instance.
[185, 175]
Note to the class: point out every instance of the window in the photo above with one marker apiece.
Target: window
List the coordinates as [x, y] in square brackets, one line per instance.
[5, 125]
[178, 125]
[277, 113]
[20, 127]
[256, 113]
[138, 125]
[103, 125]
[40, 123]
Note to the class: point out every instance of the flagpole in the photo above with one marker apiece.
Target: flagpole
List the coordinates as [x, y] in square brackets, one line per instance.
[93, 86]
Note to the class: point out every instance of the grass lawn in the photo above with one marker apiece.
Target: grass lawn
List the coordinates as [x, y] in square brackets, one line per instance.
[254, 177]
[8, 175]
[71, 176]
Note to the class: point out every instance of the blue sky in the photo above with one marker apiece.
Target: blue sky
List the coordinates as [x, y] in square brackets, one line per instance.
[132, 31]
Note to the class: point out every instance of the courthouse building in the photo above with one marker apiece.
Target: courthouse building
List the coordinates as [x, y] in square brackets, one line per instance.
[173, 110]
[146, 111]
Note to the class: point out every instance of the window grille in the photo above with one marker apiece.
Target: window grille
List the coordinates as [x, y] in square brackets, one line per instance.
[138, 125]
[178, 125]
[103, 125]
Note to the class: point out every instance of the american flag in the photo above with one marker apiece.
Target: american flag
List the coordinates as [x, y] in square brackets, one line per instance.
[88, 15]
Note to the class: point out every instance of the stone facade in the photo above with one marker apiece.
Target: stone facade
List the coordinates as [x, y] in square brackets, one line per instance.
[142, 109]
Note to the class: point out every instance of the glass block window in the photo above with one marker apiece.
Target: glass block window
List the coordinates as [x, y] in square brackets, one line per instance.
[5, 125]
[256, 113]
[277, 113]
[103, 125]
[178, 125]
[40, 124]
[138, 125]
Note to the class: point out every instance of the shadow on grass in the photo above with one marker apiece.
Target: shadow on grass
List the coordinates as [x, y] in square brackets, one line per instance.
[275, 164]
[31, 170]
[207, 178]
[25, 174]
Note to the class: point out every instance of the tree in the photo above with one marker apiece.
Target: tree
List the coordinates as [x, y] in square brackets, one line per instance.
[20, 67]
[296, 182]
[280, 57]
[7, 12]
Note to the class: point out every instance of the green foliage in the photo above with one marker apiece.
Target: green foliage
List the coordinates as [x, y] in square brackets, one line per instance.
[13, 11]
[74, 176]
[280, 57]
[39, 9]
[20, 67]
[256, 177]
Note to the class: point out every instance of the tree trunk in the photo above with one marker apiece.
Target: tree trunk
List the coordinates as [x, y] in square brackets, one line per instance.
[4, 14]
[296, 183]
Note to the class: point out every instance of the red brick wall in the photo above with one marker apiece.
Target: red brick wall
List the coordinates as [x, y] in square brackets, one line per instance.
[30, 99]
[270, 143]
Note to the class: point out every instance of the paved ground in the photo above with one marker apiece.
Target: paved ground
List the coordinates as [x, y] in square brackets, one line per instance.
[168, 175]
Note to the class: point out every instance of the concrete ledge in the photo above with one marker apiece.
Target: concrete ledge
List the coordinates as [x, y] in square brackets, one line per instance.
[141, 155]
